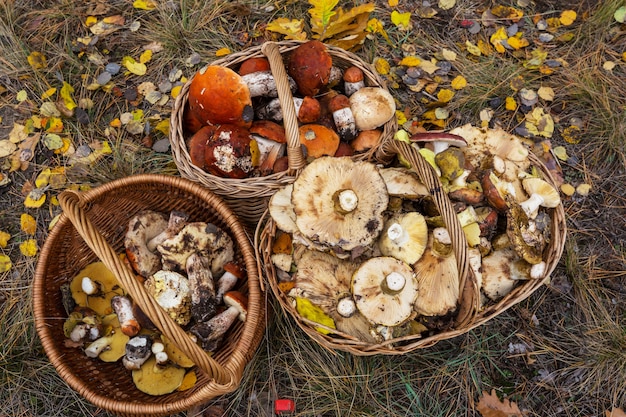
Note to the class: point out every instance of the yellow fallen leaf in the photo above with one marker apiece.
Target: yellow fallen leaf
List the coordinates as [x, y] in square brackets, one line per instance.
[29, 247]
[7, 148]
[510, 104]
[18, 133]
[53, 125]
[546, 93]
[458, 82]
[445, 95]
[497, 38]
[429, 66]
[472, 49]
[133, 66]
[222, 52]
[401, 117]
[392, 3]
[35, 199]
[382, 66]
[291, 28]
[489, 405]
[144, 4]
[90, 21]
[66, 145]
[310, 311]
[21, 96]
[485, 47]
[66, 95]
[145, 56]
[28, 224]
[54, 221]
[402, 20]
[446, 4]
[37, 60]
[375, 26]
[539, 123]
[448, 54]
[175, 91]
[567, 17]
[410, 61]
[163, 126]
[48, 93]
[517, 43]
[115, 122]
[4, 239]
[608, 65]
[572, 134]
[5, 263]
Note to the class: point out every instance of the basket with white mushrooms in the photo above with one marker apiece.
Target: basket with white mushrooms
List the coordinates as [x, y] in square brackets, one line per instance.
[376, 259]
[190, 270]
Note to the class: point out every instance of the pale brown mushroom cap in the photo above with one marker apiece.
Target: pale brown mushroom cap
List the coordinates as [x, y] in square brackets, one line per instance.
[404, 237]
[316, 194]
[372, 107]
[281, 209]
[375, 300]
[403, 182]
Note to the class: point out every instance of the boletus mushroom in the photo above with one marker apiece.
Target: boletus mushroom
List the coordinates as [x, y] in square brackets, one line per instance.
[310, 66]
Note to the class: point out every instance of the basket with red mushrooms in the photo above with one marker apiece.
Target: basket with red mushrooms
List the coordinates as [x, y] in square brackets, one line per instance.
[190, 270]
[362, 250]
[234, 120]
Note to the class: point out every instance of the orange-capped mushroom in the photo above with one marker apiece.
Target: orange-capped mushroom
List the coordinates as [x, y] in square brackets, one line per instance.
[255, 64]
[310, 66]
[318, 140]
[218, 95]
[198, 144]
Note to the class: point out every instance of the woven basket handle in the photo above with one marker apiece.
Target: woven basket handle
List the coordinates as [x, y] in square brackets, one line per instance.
[72, 204]
[290, 118]
[468, 290]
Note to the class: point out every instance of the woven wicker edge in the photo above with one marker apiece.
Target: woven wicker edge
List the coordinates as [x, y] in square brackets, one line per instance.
[258, 186]
[252, 334]
[266, 231]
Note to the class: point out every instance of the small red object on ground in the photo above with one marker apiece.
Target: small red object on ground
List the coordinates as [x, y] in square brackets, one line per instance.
[283, 406]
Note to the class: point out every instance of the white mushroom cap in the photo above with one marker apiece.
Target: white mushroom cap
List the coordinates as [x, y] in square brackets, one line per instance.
[339, 202]
[384, 289]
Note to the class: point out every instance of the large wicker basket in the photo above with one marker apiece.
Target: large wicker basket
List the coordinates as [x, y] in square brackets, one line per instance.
[469, 313]
[92, 227]
[248, 197]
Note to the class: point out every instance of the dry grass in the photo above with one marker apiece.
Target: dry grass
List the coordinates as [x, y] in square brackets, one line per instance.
[573, 329]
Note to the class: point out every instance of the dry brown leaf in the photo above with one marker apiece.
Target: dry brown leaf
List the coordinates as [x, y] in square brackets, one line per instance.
[615, 412]
[490, 405]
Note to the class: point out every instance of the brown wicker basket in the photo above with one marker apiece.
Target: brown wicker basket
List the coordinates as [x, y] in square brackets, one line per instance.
[92, 227]
[468, 315]
[248, 197]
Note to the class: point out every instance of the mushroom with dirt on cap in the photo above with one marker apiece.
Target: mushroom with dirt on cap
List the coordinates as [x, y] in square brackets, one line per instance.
[271, 142]
[210, 334]
[384, 289]
[339, 203]
[142, 228]
[172, 292]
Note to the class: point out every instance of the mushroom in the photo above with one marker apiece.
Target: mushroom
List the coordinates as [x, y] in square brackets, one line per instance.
[318, 140]
[88, 330]
[101, 279]
[404, 237]
[352, 80]
[310, 66]
[175, 224]
[339, 203]
[172, 351]
[438, 141]
[372, 107]
[404, 183]
[233, 273]
[541, 193]
[231, 151]
[496, 191]
[524, 236]
[325, 281]
[254, 64]
[156, 380]
[344, 120]
[498, 277]
[117, 345]
[142, 227]
[384, 289]
[280, 208]
[138, 350]
[263, 84]
[451, 162]
[202, 288]
[218, 95]
[211, 333]
[437, 276]
[308, 110]
[172, 292]
[98, 346]
[198, 143]
[366, 140]
[197, 237]
[271, 141]
[123, 307]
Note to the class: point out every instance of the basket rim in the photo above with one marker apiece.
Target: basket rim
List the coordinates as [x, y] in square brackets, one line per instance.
[266, 231]
[263, 186]
[233, 364]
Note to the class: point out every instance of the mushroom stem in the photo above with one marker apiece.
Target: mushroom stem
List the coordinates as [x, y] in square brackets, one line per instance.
[211, 333]
[397, 234]
[138, 350]
[123, 307]
[175, 224]
[98, 346]
[203, 299]
[228, 280]
[90, 287]
[346, 306]
[395, 281]
[346, 201]
[531, 206]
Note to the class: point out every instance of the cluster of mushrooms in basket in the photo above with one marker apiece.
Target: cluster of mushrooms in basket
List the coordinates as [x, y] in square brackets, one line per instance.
[361, 250]
[189, 268]
[234, 118]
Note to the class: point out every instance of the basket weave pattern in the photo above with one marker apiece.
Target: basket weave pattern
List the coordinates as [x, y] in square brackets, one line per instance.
[92, 228]
[248, 197]
[468, 315]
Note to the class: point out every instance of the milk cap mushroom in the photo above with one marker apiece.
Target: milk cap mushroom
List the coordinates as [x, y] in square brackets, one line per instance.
[525, 238]
[541, 193]
[142, 227]
[157, 380]
[404, 237]
[218, 95]
[318, 140]
[310, 66]
[339, 202]
[384, 289]
[106, 282]
[372, 107]
[280, 208]
[403, 182]
[437, 277]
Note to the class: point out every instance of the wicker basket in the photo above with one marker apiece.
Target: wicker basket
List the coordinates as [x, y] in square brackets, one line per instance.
[468, 315]
[92, 227]
[248, 197]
